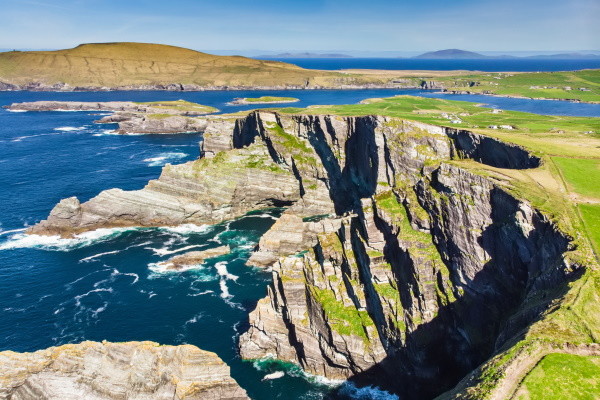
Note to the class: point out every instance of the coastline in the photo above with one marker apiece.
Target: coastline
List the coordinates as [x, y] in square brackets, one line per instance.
[195, 88]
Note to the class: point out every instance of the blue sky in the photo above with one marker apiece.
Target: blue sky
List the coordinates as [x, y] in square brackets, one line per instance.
[315, 25]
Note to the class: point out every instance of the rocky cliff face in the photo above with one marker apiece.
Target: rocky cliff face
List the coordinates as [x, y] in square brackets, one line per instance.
[415, 282]
[392, 265]
[103, 371]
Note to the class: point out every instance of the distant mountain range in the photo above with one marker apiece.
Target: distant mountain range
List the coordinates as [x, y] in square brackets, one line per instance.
[450, 54]
[305, 55]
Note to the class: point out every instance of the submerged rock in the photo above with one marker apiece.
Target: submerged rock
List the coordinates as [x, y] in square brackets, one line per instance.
[192, 258]
[106, 371]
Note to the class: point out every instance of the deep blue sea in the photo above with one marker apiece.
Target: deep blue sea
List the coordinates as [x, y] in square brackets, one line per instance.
[102, 285]
[492, 65]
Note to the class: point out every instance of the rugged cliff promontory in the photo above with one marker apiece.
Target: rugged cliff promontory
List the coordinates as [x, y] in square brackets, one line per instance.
[406, 257]
[106, 371]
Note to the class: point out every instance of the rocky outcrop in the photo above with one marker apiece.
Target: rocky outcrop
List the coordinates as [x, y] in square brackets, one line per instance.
[192, 258]
[103, 371]
[205, 191]
[132, 117]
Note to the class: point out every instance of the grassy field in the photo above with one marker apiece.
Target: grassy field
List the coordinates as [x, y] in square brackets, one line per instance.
[562, 376]
[591, 217]
[581, 85]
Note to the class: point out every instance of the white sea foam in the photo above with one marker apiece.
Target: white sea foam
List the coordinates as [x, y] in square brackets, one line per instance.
[107, 132]
[165, 251]
[223, 273]
[116, 273]
[20, 138]
[69, 128]
[365, 393]
[97, 290]
[194, 319]
[57, 243]
[12, 231]
[86, 259]
[187, 229]
[17, 111]
[274, 375]
[201, 293]
[164, 158]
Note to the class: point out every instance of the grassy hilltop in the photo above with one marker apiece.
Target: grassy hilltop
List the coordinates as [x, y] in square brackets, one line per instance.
[134, 64]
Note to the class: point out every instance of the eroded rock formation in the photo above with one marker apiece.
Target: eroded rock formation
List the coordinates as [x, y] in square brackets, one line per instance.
[103, 371]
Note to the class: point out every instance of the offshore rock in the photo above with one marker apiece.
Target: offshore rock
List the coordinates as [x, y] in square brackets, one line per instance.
[106, 371]
[191, 258]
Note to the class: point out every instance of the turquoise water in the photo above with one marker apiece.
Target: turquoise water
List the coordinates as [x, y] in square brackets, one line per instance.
[102, 286]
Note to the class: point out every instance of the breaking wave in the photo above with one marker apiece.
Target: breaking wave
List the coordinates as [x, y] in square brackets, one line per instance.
[164, 158]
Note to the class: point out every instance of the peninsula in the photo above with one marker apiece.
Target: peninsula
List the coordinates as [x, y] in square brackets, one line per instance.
[157, 117]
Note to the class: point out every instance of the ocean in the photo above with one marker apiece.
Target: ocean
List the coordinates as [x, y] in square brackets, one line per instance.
[103, 286]
[491, 65]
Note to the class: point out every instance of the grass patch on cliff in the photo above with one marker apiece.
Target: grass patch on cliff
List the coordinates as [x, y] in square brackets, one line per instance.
[562, 376]
[346, 320]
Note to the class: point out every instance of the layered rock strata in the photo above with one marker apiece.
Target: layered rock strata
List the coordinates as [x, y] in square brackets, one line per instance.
[103, 371]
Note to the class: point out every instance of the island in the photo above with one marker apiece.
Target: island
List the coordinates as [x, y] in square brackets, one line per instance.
[263, 100]
[420, 250]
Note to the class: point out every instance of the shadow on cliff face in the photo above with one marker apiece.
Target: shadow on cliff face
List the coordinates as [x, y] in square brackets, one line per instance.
[358, 177]
[509, 293]
[438, 354]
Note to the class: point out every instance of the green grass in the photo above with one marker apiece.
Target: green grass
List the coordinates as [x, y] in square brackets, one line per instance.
[181, 105]
[346, 320]
[583, 175]
[270, 99]
[590, 213]
[563, 376]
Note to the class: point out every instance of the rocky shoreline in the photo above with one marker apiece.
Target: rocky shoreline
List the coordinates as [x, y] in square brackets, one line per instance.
[110, 371]
[134, 118]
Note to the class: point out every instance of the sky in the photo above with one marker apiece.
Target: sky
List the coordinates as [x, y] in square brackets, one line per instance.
[259, 26]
